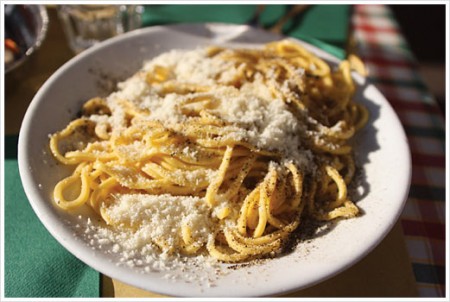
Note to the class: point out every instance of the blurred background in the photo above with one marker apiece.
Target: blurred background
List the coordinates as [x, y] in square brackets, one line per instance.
[427, 44]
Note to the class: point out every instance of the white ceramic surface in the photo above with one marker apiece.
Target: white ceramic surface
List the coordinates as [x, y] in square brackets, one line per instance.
[381, 150]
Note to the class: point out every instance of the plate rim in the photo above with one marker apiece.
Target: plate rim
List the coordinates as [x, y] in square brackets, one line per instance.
[32, 192]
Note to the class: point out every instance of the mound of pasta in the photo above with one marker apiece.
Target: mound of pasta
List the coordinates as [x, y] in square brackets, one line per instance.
[217, 151]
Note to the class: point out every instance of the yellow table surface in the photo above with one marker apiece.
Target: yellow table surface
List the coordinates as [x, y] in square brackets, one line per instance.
[385, 272]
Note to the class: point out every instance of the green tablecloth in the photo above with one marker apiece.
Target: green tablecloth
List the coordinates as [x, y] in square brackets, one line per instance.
[325, 26]
[35, 264]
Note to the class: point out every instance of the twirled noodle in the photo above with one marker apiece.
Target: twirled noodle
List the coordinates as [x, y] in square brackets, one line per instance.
[258, 195]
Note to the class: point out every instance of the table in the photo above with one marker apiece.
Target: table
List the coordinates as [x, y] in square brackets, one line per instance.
[394, 71]
[409, 262]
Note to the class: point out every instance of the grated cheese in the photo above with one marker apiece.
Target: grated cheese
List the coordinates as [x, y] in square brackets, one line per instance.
[256, 116]
[159, 217]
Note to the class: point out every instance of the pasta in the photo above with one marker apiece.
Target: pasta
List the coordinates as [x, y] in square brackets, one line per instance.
[256, 180]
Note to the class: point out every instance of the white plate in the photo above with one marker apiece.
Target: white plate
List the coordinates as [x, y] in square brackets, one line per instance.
[381, 148]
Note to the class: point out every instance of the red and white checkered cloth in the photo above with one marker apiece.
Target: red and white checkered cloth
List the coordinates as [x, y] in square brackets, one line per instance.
[393, 69]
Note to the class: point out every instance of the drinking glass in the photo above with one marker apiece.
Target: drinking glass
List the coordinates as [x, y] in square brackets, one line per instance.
[86, 25]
